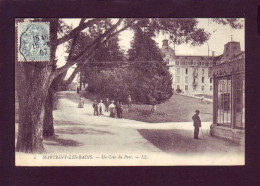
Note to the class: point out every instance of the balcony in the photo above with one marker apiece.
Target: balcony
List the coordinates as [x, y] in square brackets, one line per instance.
[195, 73]
[195, 82]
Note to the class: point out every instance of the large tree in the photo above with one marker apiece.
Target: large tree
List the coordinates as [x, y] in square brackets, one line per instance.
[154, 82]
[34, 79]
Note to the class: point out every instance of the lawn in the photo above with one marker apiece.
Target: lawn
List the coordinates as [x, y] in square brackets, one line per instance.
[178, 109]
[205, 96]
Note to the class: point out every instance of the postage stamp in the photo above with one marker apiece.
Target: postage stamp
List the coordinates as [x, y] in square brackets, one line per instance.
[33, 41]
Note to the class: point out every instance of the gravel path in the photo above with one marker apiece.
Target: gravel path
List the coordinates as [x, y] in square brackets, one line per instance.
[106, 139]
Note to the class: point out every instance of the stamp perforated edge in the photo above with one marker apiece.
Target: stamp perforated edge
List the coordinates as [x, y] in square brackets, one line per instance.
[17, 21]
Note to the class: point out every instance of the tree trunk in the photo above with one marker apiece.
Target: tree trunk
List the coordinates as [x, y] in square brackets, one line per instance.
[48, 128]
[33, 81]
[57, 84]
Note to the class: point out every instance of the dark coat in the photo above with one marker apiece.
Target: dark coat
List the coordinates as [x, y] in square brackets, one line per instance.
[95, 105]
[107, 103]
[196, 121]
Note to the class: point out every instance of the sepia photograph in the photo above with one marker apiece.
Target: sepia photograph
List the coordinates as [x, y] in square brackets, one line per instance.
[129, 91]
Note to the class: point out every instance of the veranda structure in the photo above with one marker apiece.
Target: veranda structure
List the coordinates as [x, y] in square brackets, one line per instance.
[229, 98]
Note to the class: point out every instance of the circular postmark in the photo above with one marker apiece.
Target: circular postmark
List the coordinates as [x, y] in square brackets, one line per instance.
[33, 41]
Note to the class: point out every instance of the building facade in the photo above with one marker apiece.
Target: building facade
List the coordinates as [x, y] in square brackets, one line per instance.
[222, 76]
[189, 73]
[229, 94]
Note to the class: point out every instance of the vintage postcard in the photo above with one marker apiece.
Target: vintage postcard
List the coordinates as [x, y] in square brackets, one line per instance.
[129, 91]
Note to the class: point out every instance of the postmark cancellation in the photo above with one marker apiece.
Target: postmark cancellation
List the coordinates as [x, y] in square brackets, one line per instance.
[33, 41]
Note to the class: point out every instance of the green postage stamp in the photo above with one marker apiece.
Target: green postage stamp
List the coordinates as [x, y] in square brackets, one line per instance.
[33, 41]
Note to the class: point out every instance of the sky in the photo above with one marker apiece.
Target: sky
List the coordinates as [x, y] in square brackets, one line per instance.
[220, 35]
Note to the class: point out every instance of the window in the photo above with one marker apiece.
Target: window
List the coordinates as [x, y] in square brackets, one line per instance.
[186, 79]
[194, 88]
[202, 88]
[177, 63]
[210, 80]
[203, 71]
[178, 70]
[202, 80]
[178, 79]
[207, 64]
[202, 63]
[177, 57]
[186, 63]
[178, 86]
[182, 63]
[239, 101]
[185, 57]
[201, 57]
[194, 63]
[186, 87]
[224, 101]
[186, 71]
[210, 88]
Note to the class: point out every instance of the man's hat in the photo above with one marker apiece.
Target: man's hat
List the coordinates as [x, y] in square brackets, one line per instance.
[197, 111]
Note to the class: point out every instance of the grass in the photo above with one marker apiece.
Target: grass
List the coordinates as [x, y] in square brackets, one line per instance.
[178, 109]
[205, 96]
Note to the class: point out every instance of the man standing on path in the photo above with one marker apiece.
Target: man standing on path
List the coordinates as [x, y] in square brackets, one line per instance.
[106, 104]
[120, 110]
[129, 101]
[101, 107]
[95, 106]
[117, 109]
[196, 124]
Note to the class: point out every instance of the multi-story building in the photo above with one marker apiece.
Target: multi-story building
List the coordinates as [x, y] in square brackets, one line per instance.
[189, 73]
[223, 76]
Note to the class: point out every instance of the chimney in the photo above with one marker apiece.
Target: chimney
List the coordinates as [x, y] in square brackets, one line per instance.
[213, 53]
[165, 42]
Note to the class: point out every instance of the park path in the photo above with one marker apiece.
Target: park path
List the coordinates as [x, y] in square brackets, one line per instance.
[78, 131]
[94, 134]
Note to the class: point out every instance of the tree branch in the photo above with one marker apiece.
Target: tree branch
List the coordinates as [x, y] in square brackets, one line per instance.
[97, 41]
[88, 51]
[72, 76]
[75, 38]
[77, 30]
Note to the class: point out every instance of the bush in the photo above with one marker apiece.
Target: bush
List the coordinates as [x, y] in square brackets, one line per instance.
[178, 90]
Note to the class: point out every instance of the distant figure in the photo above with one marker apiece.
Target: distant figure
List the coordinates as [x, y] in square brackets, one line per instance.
[101, 107]
[112, 109]
[95, 106]
[120, 110]
[196, 124]
[117, 109]
[202, 99]
[107, 102]
[81, 103]
[153, 109]
[77, 90]
[129, 101]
